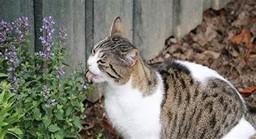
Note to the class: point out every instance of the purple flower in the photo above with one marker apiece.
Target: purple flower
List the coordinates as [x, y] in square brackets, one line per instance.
[47, 37]
[5, 26]
[46, 93]
[12, 34]
[51, 103]
[11, 57]
[3, 36]
[5, 29]
[59, 72]
[19, 29]
[13, 62]
[62, 35]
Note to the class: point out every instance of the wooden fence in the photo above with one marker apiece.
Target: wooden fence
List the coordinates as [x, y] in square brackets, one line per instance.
[148, 22]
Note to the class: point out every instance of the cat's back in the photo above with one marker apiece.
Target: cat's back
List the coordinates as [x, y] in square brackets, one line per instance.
[198, 102]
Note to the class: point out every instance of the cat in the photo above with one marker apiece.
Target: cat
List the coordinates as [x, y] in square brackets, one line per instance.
[173, 99]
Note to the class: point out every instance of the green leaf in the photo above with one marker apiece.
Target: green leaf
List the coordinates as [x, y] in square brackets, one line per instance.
[3, 75]
[2, 124]
[2, 133]
[59, 113]
[68, 111]
[15, 117]
[37, 114]
[77, 122]
[59, 135]
[5, 86]
[15, 131]
[2, 97]
[46, 121]
[99, 136]
[53, 128]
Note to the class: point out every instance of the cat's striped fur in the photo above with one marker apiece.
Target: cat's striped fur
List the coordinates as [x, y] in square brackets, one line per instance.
[168, 100]
[192, 111]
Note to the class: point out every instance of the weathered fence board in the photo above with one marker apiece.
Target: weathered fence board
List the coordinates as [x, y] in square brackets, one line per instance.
[215, 4]
[218, 4]
[147, 22]
[70, 14]
[89, 27]
[11, 9]
[105, 12]
[189, 16]
[207, 4]
[152, 25]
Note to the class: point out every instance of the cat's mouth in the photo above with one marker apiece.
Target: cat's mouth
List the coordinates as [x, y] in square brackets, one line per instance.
[91, 76]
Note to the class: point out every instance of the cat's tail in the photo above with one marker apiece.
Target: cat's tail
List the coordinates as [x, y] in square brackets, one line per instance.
[251, 109]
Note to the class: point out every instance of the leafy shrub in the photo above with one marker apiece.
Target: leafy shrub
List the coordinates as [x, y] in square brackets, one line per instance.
[51, 101]
[9, 114]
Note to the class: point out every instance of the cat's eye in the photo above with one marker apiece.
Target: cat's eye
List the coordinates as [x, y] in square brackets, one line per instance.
[115, 38]
[93, 51]
[101, 61]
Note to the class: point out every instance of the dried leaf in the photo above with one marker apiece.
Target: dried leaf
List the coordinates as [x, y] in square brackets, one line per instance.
[243, 19]
[244, 37]
[107, 126]
[248, 90]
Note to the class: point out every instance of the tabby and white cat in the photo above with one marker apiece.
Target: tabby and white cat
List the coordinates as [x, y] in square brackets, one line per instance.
[169, 100]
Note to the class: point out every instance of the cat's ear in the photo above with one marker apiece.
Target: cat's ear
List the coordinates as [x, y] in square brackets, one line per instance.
[132, 57]
[117, 27]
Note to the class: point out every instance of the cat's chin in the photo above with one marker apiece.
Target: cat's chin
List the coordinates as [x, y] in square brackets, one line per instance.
[91, 77]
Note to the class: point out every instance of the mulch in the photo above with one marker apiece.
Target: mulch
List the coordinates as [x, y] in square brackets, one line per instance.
[225, 41]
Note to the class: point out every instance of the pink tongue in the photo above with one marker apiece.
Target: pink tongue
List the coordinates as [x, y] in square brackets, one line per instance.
[89, 76]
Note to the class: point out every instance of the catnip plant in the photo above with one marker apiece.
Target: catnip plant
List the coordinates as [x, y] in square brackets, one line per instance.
[51, 100]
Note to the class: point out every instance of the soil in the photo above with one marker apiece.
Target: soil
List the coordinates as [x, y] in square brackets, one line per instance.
[225, 41]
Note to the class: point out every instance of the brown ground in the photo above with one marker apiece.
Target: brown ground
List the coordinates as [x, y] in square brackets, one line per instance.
[225, 41]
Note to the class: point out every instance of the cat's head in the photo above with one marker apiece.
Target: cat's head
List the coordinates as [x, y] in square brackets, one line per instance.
[113, 58]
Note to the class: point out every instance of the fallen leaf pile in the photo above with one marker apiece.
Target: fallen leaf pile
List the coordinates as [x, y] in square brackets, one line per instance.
[225, 41]
[245, 39]
[96, 125]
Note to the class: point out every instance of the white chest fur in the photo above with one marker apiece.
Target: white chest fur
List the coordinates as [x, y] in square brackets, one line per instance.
[132, 114]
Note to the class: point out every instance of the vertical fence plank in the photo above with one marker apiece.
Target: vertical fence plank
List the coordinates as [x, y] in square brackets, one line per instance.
[105, 12]
[99, 16]
[78, 51]
[189, 16]
[215, 4]
[207, 4]
[152, 25]
[38, 11]
[11, 9]
[218, 4]
[89, 26]
[70, 14]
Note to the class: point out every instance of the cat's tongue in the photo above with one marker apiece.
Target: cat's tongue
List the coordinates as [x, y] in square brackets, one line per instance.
[90, 76]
